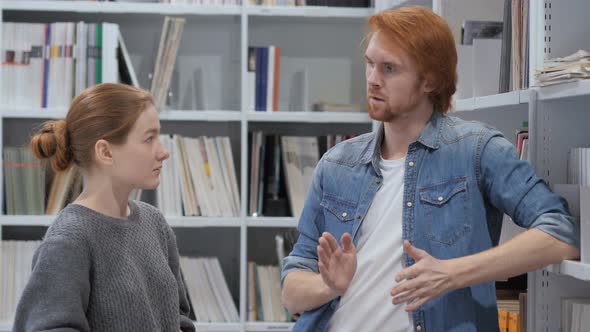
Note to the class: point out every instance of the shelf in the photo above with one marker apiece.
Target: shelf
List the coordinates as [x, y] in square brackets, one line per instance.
[204, 221]
[209, 116]
[268, 326]
[271, 222]
[34, 113]
[403, 3]
[25, 220]
[492, 101]
[6, 326]
[309, 11]
[574, 269]
[173, 115]
[565, 90]
[309, 117]
[46, 220]
[119, 8]
[220, 327]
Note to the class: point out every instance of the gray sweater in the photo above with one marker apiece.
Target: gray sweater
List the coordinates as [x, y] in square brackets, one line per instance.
[97, 273]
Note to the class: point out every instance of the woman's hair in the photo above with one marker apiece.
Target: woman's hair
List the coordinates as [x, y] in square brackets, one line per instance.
[104, 111]
[428, 41]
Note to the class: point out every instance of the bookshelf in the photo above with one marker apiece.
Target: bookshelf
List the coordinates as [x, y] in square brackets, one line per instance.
[220, 35]
[557, 117]
[492, 101]
[120, 8]
[215, 39]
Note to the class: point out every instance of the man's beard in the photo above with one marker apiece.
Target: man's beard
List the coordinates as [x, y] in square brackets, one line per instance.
[384, 114]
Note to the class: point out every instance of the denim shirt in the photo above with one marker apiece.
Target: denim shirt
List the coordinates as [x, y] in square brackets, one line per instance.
[460, 178]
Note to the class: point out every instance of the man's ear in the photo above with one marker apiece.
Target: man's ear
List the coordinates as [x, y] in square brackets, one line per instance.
[428, 84]
[103, 152]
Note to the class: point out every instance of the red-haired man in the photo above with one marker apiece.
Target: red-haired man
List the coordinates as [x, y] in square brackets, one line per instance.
[417, 207]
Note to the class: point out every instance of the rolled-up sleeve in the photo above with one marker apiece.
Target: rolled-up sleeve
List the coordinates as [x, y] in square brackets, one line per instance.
[311, 223]
[513, 187]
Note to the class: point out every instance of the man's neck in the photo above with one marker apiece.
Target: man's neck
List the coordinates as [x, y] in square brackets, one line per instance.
[404, 130]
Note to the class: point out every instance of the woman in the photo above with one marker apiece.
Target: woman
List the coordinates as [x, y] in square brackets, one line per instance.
[106, 263]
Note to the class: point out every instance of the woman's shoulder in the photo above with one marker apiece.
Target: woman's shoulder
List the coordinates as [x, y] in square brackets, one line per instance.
[148, 210]
[68, 225]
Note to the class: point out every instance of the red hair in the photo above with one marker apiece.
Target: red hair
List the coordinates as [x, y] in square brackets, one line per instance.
[428, 41]
[104, 111]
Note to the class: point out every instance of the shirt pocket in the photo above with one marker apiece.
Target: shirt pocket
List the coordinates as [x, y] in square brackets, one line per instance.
[338, 215]
[445, 211]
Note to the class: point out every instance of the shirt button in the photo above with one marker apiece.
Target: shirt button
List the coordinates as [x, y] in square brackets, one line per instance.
[411, 163]
[409, 204]
[419, 327]
[377, 181]
[344, 214]
[440, 198]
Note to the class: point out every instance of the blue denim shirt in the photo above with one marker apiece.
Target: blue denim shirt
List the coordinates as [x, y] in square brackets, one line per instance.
[460, 178]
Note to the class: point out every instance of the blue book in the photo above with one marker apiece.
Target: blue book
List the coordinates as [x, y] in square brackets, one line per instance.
[263, 78]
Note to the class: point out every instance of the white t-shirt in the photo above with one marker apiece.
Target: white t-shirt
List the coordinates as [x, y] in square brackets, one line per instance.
[366, 304]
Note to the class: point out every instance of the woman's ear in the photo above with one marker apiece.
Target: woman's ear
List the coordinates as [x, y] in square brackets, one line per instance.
[103, 152]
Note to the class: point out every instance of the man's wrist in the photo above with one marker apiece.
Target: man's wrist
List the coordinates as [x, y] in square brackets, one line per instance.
[458, 272]
[327, 291]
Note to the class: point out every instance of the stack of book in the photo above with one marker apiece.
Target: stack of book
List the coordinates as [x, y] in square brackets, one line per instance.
[16, 258]
[208, 292]
[199, 179]
[167, 50]
[567, 69]
[47, 64]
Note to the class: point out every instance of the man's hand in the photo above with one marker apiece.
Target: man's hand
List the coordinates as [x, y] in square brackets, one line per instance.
[427, 279]
[337, 265]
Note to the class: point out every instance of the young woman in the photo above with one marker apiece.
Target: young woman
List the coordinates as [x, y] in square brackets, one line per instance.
[106, 263]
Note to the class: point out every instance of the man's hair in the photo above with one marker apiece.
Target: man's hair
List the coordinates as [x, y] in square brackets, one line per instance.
[427, 40]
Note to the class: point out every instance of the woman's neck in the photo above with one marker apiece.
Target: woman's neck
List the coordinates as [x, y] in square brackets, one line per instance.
[102, 195]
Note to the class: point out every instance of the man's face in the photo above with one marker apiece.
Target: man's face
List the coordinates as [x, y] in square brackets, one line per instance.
[394, 88]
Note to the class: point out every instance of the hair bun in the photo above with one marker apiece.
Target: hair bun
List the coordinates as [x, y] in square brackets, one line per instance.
[51, 141]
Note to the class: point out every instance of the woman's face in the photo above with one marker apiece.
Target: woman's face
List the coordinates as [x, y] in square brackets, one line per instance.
[138, 162]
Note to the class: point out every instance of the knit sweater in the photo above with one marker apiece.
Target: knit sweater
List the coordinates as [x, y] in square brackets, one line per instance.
[98, 273]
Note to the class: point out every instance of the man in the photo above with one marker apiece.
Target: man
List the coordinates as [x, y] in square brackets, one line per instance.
[418, 205]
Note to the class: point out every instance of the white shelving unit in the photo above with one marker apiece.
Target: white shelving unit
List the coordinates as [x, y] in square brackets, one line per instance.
[220, 35]
[315, 11]
[558, 118]
[484, 103]
[557, 115]
[120, 8]
[307, 117]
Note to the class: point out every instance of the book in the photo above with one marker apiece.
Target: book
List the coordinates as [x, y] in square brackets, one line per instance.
[471, 30]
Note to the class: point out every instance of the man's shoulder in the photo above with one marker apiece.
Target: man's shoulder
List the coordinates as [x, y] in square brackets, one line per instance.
[457, 129]
[351, 151]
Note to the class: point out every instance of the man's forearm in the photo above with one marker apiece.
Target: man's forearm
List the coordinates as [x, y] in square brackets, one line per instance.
[304, 291]
[530, 250]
